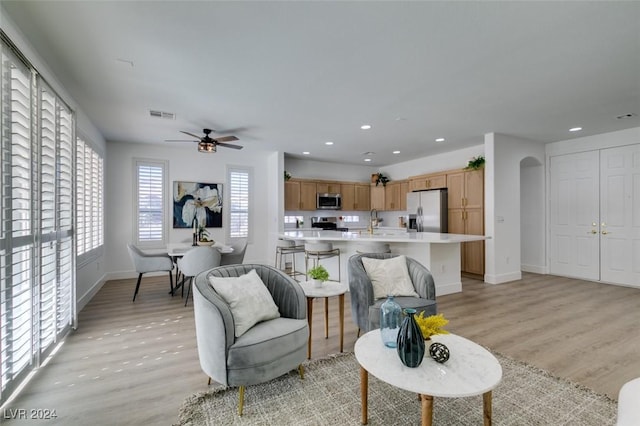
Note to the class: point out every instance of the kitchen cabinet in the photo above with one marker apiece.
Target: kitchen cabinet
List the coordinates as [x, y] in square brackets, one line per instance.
[291, 195]
[299, 195]
[395, 196]
[355, 196]
[377, 197]
[466, 215]
[428, 181]
[404, 189]
[329, 187]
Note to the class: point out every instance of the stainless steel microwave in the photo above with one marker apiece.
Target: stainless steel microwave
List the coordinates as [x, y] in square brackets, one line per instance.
[325, 201]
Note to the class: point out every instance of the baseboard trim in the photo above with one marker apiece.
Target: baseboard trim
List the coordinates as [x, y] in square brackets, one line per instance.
[503, 278]
[82, 301]
[534, 269]
[450, 288]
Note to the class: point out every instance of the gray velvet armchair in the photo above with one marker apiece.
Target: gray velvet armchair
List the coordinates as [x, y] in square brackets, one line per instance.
[267, 350]
[365, 310]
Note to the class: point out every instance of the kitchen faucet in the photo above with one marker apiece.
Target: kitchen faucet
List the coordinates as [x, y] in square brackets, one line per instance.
[371, 219]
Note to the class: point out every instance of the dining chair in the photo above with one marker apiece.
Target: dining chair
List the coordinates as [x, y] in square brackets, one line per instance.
[236, 257]
[144, 262]
[194, 261]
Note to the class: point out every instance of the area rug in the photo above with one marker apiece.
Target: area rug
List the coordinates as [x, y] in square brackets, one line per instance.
[330, 395]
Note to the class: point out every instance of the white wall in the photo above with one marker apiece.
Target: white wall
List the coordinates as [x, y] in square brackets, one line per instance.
[590, 143]
[433, 163]
[502, 204]
[307, 169]
[91, 275]
[186, 164]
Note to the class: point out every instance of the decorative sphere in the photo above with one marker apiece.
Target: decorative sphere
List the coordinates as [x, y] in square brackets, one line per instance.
[439, 352]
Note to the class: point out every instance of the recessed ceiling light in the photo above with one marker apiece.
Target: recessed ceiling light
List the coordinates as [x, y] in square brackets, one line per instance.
[396, 152]
[305, 153]
[575, 129]
[365, 126]
[440, 140]
[328, 143]
[367, 159]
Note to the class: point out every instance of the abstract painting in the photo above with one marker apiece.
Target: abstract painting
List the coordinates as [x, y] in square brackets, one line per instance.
[199, 203]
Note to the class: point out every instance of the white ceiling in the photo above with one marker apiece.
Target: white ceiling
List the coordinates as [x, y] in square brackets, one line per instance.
[290, 76]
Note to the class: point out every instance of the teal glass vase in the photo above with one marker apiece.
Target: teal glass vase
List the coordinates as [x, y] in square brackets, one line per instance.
[390, 319]
[410, 341]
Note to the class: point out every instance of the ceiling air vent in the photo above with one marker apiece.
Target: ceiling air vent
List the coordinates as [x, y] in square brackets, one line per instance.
[625, 116]
[162, 114]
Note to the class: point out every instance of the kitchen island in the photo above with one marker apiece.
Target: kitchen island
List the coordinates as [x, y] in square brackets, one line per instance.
[440, 253]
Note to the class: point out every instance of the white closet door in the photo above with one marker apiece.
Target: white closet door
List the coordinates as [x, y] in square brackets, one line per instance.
[574, 247]
[620, 215]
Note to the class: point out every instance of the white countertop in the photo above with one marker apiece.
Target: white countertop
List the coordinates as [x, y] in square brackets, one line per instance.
[382, 235]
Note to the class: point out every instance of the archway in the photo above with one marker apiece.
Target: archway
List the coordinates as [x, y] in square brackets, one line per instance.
[532, 216]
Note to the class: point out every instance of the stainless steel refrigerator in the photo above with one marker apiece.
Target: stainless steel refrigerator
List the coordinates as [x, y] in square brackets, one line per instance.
[427, 211]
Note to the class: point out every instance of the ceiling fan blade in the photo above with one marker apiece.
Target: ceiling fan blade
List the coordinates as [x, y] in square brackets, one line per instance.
[226, 139]
[179, 140]
[190, 134]
[228, 145]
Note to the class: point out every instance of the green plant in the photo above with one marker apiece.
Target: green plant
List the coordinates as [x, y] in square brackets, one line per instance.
[380, 178]
[287, 175]
[202, 233]
[319, 273]
[475, 163]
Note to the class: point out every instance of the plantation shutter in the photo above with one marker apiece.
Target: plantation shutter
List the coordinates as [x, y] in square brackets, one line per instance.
[238, 202]
[150, 202]
[17, 310]
[89, 212]
[37, 302]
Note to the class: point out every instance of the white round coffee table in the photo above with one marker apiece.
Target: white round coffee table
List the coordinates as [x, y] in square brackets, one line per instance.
[328, 289]
[470, 370]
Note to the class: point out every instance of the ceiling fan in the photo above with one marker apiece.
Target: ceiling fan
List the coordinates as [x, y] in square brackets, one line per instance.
[208, 144]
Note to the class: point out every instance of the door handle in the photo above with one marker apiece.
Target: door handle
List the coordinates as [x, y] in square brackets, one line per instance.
[605, 232]
[593, 231]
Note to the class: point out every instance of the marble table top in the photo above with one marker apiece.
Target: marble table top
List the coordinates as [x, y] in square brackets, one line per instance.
[179, 249]
[470, 370]
[328, 289]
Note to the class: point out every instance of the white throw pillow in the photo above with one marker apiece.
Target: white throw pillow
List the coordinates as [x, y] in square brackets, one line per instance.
[389, 276]
[248, 298]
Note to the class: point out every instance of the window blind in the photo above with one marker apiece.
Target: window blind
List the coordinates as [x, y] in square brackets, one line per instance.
[238, 179]
[150, 211]
[89, 201]
[37, 306]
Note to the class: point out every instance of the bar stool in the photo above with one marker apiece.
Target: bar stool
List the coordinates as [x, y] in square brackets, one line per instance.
[372, 247]
[288, 247]
[318, 251]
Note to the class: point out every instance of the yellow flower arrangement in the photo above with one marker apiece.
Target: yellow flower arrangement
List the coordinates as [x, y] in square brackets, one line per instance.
[432, 324]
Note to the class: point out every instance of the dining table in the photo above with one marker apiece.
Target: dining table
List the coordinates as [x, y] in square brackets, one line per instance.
[177, 250]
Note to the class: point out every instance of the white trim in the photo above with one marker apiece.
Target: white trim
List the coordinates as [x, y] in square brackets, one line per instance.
[536, 269]
[167, 201]
[82, 301]
[502, 278]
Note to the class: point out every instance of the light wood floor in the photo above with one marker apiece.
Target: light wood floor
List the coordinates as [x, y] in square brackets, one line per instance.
[134, 363]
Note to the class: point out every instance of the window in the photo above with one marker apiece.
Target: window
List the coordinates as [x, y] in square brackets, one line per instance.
[37, 270]
[90, 195]
[239, 184]
[150, 222]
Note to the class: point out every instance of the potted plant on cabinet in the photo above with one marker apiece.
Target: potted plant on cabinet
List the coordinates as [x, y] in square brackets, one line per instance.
[318, 275]
[381, 179]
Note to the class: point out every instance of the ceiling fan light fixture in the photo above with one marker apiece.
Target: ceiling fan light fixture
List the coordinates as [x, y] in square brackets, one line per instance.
[207, 147]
